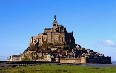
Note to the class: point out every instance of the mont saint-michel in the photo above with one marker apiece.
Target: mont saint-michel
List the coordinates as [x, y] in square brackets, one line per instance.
[56, 44]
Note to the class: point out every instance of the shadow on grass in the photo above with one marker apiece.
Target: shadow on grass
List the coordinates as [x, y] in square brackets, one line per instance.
[21, 71]
[60, 71]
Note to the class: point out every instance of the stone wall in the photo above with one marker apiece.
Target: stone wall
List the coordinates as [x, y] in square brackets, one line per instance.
[83, 60]
[100, 60]
[70, 60]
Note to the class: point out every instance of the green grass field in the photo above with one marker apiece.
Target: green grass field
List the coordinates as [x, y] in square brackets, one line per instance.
[51, 68]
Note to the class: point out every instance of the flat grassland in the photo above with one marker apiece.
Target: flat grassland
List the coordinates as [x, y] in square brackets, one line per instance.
[51, 68]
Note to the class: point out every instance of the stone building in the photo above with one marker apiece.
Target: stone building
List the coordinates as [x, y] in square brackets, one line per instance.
[14, 58]
[57, 35]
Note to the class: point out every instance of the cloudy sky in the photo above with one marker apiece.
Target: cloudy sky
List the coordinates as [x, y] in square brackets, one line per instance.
[92, 21]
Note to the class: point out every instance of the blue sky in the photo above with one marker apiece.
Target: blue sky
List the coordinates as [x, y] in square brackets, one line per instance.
[92, 21]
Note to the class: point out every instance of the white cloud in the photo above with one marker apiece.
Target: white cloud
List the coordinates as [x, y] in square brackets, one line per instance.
[109, 43]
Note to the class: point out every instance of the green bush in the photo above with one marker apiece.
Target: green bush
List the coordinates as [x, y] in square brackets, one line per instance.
[25, 59]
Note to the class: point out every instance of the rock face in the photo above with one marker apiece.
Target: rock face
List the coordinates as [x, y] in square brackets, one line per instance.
[56, 44]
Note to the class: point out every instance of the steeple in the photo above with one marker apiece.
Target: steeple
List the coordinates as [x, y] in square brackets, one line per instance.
[55, 19]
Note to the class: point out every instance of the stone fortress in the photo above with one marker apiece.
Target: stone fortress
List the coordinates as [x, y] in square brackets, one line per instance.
[57, 45]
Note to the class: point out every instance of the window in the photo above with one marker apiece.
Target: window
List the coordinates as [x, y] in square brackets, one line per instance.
[54, 24]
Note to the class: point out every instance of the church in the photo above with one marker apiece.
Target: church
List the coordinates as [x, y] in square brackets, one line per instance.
[57, 35]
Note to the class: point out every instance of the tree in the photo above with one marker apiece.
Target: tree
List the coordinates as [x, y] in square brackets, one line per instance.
[66, 48]
[25, 59]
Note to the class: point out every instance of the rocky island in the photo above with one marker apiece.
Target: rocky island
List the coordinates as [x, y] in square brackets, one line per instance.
[56, 44]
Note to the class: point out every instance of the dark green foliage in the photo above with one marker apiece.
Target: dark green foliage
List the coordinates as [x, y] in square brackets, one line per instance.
[25, 59]
[66, 48]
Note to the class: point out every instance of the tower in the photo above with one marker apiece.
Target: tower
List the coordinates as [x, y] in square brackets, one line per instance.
[54, 17]
[55, 24]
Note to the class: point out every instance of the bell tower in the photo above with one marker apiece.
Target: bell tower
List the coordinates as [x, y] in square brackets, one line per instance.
[54, 19]
[55, 24]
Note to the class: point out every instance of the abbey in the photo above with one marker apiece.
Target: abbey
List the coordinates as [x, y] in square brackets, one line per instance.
[57, 35]
[57, 45]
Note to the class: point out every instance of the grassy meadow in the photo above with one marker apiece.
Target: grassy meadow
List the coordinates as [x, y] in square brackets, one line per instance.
[51, 68]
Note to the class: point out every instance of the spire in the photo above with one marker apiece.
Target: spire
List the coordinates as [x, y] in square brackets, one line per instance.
[55, 19]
